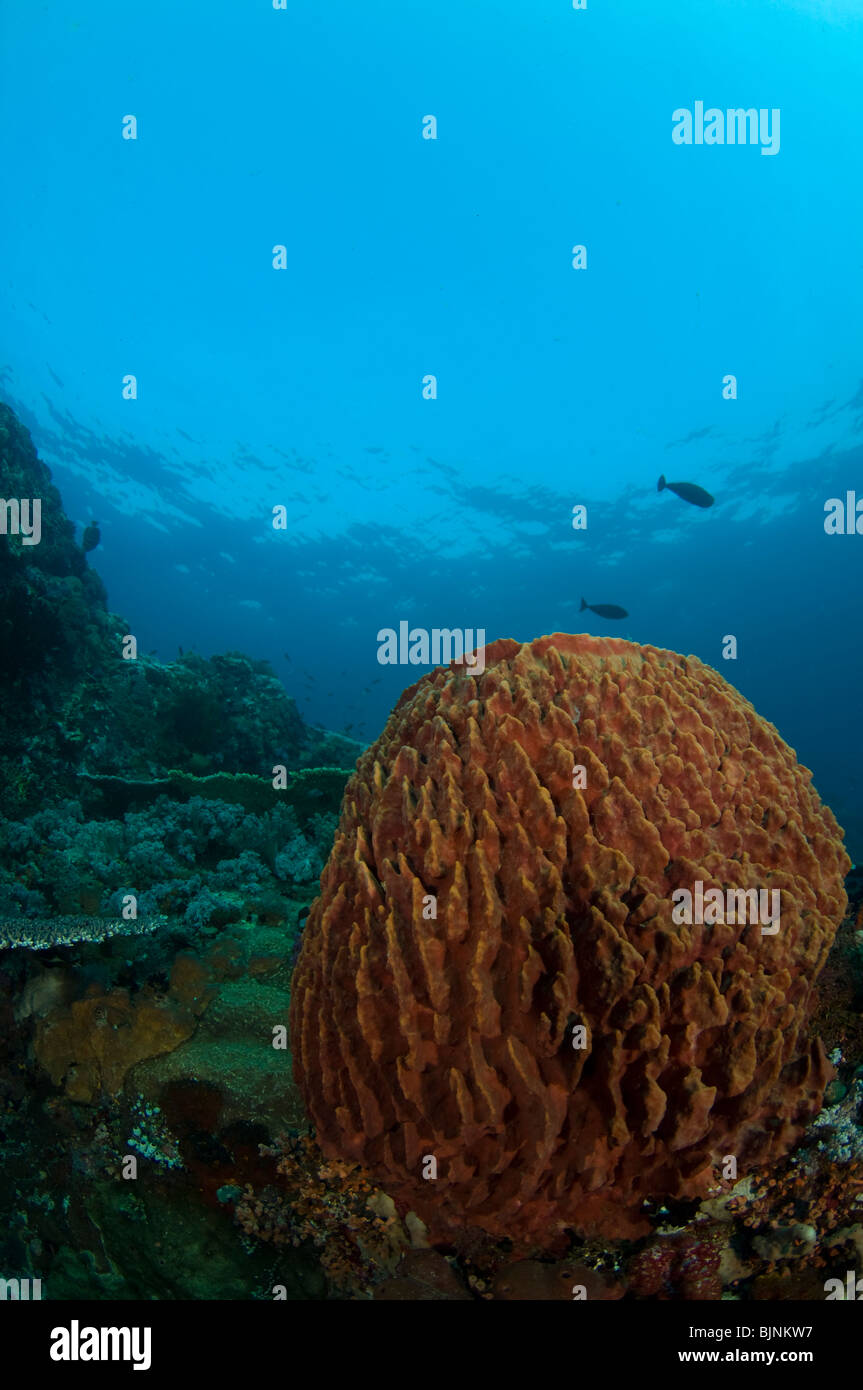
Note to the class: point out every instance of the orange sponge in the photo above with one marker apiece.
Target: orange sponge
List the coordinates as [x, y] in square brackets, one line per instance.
[497, 1008]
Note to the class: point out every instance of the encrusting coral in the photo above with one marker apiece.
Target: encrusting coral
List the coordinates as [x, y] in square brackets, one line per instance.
[493, 979]
[90, 1046]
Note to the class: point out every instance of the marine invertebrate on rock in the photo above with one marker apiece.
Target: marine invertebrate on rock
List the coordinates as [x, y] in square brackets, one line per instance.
[150, 1136]
[685, 1265]
[492, 976]
[354, 1226]
[91, 1045]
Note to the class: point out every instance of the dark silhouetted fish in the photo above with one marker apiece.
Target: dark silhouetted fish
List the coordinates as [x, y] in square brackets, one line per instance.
[604, 610]
[92, 537]
[689, 492]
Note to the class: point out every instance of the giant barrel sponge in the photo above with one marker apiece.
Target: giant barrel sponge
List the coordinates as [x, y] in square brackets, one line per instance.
[495, 977]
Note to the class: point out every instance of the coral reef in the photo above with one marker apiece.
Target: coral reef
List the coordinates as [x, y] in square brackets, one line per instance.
[55, 631]
[494, 1009]
[72, 705]
[202, 1118]
[127, 780]
[204, 862]
[353, 1225]
[489, 908]
[242, 997]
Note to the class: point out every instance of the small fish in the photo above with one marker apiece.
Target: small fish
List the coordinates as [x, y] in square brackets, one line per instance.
[92, 537]
[689, 492]
[604, 610]
[286, 656]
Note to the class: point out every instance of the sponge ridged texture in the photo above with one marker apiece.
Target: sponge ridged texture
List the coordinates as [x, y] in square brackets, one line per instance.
[478, 907]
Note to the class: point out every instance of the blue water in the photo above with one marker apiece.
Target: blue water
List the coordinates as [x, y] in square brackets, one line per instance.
[451, 256]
